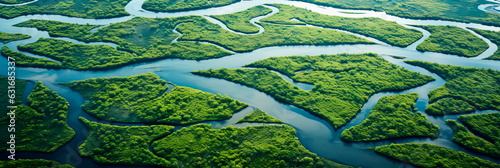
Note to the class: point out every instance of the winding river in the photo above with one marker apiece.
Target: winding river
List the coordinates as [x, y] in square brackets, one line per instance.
[315, 134]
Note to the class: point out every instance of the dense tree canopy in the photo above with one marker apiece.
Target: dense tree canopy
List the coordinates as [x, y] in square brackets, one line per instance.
[427, 155]
[463, 137]
[30, 163]
[144, 98]
[452, 40]
[494, 36]
[258, 116]
[342, 83]
[392, 117]
[386, 31]
[9, 37]
[42, 126]
[125, 145]
[254, 146]
[477, 86]
[183, 5]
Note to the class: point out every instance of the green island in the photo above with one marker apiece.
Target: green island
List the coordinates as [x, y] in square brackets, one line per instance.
[23, 60]
[124, 145]
[484, 125]
[258, 116]
[342, 83]
[274, 35]
[386, 31]
[42, 126]
[494, 36]
[428, 155]
[240, 21]
[463, 137]
[183, 5]
[139, 39]
[145, 98]
[75, 56]
[75, 8]
[392, 117]
[449, 105]
[10, 37]
[30, 163]
[253, 146]
[478, 87]
[462, 11]
[452, 40]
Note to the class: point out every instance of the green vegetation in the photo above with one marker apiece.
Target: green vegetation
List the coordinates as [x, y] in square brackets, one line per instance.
[342, 83]
[463, 137]
[463, 11]
[145, 39]
[183, 5]
[484, 125]
[494, 36]
[427, 155]
[42, 126]
[24, 60]
[452, 40]
[386, 31]
[255, 146]
[392, 118]
[274, 35]
[143, 98]
[75, 8]
[30, 163]
[259, 116]
[78, 56]
[9, 37]
[240, 21]
[125, 145]
[14, 1]
[476, 86]
[60, 29]
[449, 105]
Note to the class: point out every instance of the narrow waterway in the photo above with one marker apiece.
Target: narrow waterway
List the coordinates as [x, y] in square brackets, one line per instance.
[314, 133]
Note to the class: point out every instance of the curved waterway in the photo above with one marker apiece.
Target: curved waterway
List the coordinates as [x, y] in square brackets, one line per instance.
[314, 133]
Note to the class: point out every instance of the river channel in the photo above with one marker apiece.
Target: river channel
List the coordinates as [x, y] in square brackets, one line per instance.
[314, 133]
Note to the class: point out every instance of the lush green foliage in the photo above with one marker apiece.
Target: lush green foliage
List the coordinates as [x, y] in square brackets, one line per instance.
[259, 116]
[255, 146]
[126, 145]
[485, 125]
[386, 31]
[240, 21]
[478, 87]
[24, 60]
[75, 8]
[274, 35]
[183, 5]
[143, 98]
[463, 10]
[392, 117]
[427, 155]
[449, 105]
[463, 137]
[30, 163]
[342, 83]
[42, 126]
[494, 36]
[9, 37]
[78, 56]
[144, 38]
[60, 29]
[452, 40]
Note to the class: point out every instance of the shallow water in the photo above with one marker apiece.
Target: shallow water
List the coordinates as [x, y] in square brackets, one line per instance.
[314, 133]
